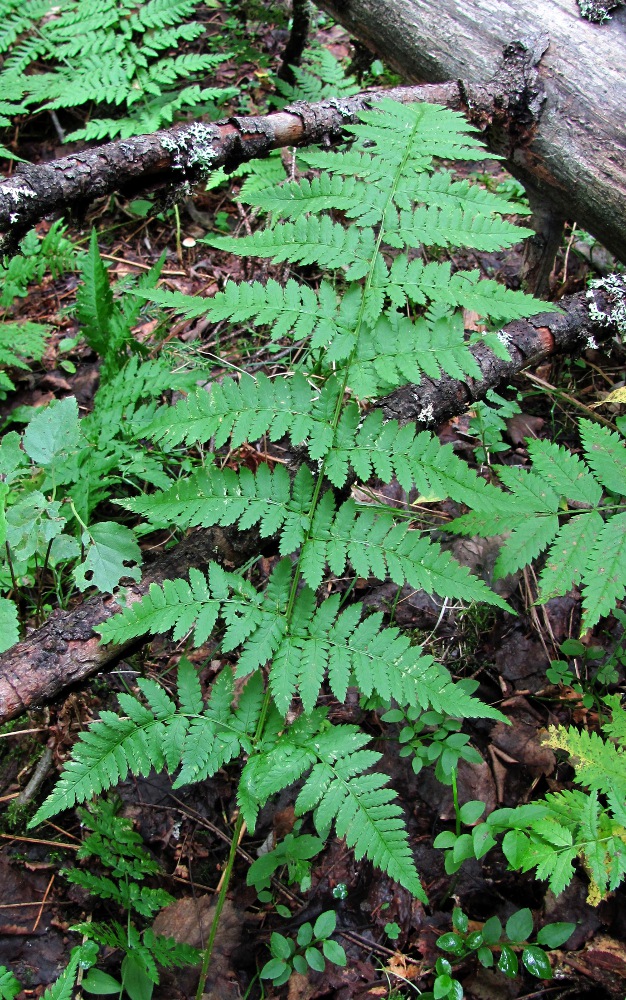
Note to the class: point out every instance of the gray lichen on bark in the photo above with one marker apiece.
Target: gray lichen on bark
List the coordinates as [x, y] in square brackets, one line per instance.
[598, 11]
[192, 148]
[614, 288]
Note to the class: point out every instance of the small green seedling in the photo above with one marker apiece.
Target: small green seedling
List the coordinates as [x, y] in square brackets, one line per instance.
[494, 945]
[588, 670]
[297, 956]
[433, 738]
[294, 852]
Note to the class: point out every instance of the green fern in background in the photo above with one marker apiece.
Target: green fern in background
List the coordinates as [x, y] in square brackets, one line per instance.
[590, 825]
[25, 341]
[105, 52]
[360, 308]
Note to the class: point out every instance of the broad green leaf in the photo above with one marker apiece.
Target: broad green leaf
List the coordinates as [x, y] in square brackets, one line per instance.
[556, 934]
[519, 926]
[9, 624]
[537, 962]
[53, 431]
[112, 553]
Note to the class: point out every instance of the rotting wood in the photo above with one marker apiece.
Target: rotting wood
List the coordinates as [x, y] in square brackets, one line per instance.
[65, 650]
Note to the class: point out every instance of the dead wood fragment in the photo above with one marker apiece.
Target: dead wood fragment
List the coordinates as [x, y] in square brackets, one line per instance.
[66, 650]
[587, 318]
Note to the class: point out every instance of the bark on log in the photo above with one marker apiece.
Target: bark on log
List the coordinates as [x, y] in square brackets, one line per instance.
[587, 318]
[65, 649]
[188, 153]
[574, 155]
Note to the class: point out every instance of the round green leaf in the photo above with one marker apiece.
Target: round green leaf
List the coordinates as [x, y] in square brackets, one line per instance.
[460, 921]
[305, 935]
[474, 940]
[273, 969]
[471, 812]
[492, 930]
[334, 953]
[537, 962]
[485, 957]
[554, 935]
[393, 715]
[507, 963]
[299, 964]
[514, 847]
[315, 959]
[456, 990]
[482, 839]
[325, 924]
[572, 647]
[443, 967]
[450, 942]
[463, 847]
[445, 839]
[281, 947]
[519, 926]
[100, 983]
[442, 986]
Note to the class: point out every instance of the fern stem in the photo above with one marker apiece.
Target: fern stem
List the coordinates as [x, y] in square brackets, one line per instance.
[455, 800]
[221, 899]
[228, 870]
[340, 396]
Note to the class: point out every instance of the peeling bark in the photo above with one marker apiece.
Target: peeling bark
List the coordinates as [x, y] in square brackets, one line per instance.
[65, 649]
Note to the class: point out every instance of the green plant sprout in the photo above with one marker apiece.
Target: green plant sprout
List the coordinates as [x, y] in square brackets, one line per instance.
[488, 424]
[312, 947]
[294, 853]
[588, 670]
[491, 941]
[434, 738]
[120, 850]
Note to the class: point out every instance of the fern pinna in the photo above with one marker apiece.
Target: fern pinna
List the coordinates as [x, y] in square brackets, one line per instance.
[380, 318]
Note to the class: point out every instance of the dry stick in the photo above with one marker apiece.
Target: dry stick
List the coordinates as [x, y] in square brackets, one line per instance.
[188, 153]
[66, 650]
[301, 14]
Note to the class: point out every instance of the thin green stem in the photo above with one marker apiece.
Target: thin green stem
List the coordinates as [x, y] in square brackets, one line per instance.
[455, 800]
[228, 871]
[221, 899]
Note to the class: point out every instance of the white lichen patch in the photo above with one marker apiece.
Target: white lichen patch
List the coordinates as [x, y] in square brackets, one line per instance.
[426, 414]
[614, 286]
[18, 192]
[192, 148]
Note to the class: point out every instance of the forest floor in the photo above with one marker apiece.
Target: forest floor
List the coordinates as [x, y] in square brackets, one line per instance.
[389, 937]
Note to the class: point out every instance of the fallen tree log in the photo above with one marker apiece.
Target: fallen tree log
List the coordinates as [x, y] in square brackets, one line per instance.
[65, 649]
[188, 153]
[573, 154]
